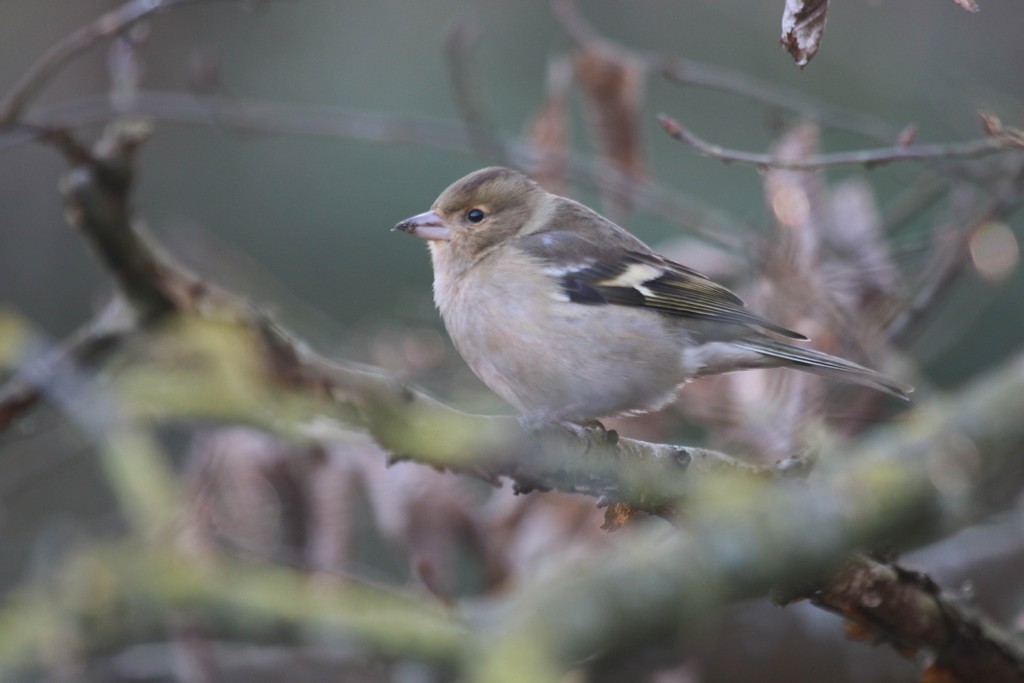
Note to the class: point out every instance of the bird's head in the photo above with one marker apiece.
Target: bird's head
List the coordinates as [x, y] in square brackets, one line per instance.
[478, 212]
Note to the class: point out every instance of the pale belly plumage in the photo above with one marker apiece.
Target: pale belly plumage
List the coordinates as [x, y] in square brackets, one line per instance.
[545, 355]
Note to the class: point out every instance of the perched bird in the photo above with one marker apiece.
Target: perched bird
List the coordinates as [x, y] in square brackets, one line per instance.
[570, 318]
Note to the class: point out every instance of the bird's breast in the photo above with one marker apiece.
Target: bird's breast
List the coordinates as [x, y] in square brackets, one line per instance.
[550, 357]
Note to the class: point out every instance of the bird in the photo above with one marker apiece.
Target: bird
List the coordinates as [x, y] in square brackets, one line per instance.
[571, 319]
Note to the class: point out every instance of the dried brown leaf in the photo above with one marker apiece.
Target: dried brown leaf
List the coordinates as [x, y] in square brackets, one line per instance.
[776, 407]
[907, 135]
[548, 130]
[770, 411]
[935, 673]
[803, 25]
[969, 5]
[795, 200]
[245, 489]
[990, 123]
[858, 631]
[862, 269]
[618, 515]
[613, 83]
[993, 127]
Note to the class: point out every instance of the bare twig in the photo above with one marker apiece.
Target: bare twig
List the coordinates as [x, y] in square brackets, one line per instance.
[53, 60]
[868, 157]
[713, 77]
[722, 79]
[950, 257]
[47, 375]
[459, 45]
[888, 602]
[271, 117]
[97, 195]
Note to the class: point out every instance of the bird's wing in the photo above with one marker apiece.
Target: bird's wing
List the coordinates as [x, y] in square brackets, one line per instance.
[591, 273]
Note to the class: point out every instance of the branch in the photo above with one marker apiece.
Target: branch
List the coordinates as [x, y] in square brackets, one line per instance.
[886, 601]
[272, 117]
[949, 260]
[713, 77]
[48, 375]
[86, 600]
[97, 193]
[736, 543]
[53, 60]
[459, 44]
[1009, 141]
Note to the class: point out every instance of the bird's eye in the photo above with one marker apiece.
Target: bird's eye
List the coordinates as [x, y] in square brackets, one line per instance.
[475, 215]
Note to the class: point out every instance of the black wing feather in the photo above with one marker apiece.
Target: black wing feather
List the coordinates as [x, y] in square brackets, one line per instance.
[672, 289]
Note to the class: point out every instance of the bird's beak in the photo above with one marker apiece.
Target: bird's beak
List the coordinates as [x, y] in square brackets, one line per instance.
[428, 226]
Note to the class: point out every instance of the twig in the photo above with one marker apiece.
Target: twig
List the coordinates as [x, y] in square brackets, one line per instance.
[950, 257]
[868, 157]
[908, 609]
[45, 376]
[458, 48]
[163, 584]
[913, 201]
[714, 77]
[271, 117]
[722, 79]
[97, 194]
[50, 63]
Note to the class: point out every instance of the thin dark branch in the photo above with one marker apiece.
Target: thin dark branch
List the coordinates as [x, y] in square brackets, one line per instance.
[890, 603]
[950, 256]
[912, 201]
[869, 157]
[722, 79]
[459, 45]
[713, 77]
[694, 216]
[53, 60]
[48, 375]
[97, 192]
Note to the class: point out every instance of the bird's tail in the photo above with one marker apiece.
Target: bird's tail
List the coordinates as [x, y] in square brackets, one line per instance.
[825, 365]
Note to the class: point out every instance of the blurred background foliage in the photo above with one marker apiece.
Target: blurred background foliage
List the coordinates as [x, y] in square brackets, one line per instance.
[301, 224]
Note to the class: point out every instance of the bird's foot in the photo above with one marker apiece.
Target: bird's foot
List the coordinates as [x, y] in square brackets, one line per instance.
[587, 431]
[592, 429]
